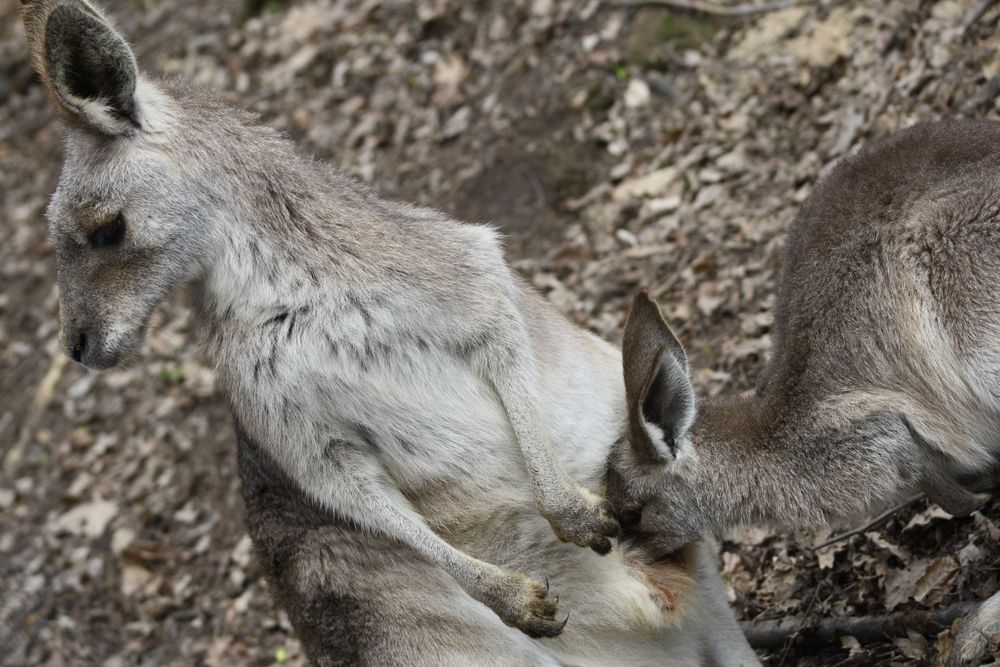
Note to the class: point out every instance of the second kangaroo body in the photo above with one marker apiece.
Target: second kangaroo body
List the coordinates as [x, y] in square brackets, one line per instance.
[885, 376]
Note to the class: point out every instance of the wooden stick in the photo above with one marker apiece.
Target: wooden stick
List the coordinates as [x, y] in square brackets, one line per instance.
[984, 96]
[871, 524]
[976, 14]
[805, 620]
[866, 629]
[710, 7]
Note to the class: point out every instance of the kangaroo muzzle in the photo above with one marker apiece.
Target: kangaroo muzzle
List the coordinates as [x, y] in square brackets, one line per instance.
[89, 346]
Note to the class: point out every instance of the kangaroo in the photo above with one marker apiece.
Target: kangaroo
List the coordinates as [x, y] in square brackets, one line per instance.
[422, 437]
[885, 372]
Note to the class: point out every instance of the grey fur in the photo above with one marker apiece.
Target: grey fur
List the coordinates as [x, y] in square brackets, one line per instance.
[417, 426]
[356, 598]
[885, 373]
[885, 376]
[88, 68]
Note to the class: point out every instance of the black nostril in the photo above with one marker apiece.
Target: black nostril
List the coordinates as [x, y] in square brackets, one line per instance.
[630, 520]
[78, 345]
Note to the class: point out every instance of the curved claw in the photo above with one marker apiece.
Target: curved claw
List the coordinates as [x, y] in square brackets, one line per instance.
[546, 585]
[565, 621]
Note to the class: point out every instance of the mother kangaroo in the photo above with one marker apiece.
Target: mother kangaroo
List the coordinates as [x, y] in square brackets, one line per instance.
[423, 439]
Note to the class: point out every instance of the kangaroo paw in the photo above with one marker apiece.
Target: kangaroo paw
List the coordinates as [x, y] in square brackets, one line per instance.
[586, 523]
[524, 604]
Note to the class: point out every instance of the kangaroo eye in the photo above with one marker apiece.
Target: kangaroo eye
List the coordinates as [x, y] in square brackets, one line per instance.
[109, 234]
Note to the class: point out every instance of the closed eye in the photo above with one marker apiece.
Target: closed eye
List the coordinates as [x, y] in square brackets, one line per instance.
[108, 235]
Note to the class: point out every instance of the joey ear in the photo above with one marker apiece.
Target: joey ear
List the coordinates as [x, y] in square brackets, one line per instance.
[89, 70]
[661, 407]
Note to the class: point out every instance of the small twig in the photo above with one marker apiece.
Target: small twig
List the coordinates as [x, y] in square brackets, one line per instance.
[802, 626]
[866, 629]
[985, 95]
[40, 402]
[977, 13]
[871, 524]
[710, 7]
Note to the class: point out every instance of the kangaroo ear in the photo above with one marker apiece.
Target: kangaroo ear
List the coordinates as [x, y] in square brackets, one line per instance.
[660, 398]
[88, 69]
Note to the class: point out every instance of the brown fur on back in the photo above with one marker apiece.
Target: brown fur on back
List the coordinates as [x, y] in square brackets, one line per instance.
[856, 237]
[885, 374]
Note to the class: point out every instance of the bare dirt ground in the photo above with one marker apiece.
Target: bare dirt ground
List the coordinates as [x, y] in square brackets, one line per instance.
[619, 146]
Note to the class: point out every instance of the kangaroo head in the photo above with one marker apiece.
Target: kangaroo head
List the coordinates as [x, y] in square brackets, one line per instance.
[661, 406]
[126, 221]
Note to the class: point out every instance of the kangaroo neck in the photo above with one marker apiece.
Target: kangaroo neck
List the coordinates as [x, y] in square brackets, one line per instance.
[287, 236]
[744, 420]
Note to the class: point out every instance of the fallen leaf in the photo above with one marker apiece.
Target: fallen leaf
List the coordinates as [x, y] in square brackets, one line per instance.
[88, 520]
[927, 516]
[934, 584]
[852, 645]
[652, 184]
[913, 646]
[828, 41]
[900, 586]
[637, 94]
[768, 30]
[880, 541]
[134, 579]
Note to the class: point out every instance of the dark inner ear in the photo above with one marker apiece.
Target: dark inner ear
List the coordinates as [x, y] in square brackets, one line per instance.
[85, 58]
[652, 408]
[666, 401]
[644, 349]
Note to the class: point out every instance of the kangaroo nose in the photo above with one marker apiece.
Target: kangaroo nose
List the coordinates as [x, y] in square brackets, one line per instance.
[630, 520]
[78, 344]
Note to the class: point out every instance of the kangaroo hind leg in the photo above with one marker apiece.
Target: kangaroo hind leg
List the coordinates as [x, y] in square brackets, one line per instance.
[940, 484]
